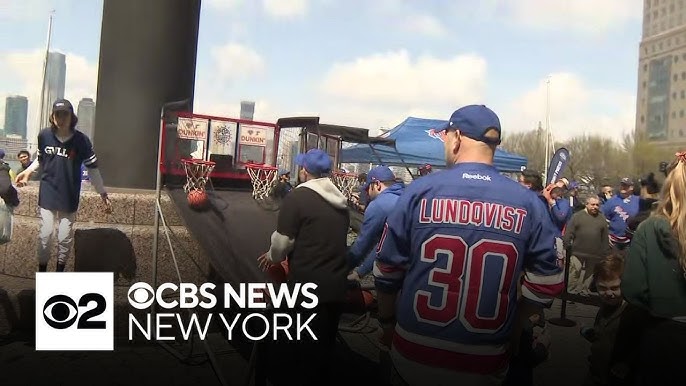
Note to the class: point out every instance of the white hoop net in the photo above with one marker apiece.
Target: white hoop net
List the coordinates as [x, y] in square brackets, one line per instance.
[346, 183]
[262, 178]
[197, 174]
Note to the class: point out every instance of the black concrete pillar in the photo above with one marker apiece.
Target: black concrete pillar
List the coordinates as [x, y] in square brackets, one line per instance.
[147, 58]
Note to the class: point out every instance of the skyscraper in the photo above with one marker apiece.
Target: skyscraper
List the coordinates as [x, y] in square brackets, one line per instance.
[55, 76]
[86, 114]
[247, 110]
[661, 99]
[16, 113]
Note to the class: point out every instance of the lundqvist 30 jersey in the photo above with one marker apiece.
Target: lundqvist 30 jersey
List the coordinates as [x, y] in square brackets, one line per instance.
[457, 246]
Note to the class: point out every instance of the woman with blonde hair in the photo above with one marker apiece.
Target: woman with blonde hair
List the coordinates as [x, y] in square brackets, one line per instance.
[654, 280]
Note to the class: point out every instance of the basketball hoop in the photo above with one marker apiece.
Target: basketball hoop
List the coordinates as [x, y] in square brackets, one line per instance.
[262, 177]
[345, 182]
[197, 173]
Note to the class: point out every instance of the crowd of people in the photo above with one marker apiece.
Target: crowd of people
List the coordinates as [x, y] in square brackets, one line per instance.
[466, 260]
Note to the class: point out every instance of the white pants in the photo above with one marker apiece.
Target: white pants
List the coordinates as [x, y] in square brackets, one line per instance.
[65, 235]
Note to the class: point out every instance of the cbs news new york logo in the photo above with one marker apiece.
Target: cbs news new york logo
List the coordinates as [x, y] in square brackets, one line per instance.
[74, 311]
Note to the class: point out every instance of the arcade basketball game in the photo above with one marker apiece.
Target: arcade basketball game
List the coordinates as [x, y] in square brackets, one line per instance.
[219, 172]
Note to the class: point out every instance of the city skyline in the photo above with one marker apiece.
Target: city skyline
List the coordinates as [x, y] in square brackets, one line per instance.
[390, 59]
[56, 74]
[16, 115]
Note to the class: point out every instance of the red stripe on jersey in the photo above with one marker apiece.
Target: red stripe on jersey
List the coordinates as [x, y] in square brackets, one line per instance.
[546, 289]
[385, 268]
[450, 360]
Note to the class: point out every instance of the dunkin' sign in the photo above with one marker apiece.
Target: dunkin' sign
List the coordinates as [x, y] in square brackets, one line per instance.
[253, 135]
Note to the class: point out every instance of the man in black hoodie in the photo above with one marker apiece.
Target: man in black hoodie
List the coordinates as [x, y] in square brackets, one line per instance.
[312, 230]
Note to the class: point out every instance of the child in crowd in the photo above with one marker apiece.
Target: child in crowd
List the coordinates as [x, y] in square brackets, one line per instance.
[608, 278]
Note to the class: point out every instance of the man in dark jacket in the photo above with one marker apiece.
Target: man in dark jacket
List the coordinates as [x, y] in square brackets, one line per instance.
[383, 192]
[312, 230]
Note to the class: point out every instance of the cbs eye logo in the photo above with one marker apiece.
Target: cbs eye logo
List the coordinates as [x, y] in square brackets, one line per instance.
[61, 312]
[141, 295]
[74, 311]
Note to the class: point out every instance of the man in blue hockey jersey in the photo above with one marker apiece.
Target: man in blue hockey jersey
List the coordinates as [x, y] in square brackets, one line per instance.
[451, 257]
[617, 210]
[383, 191]
[560, 210]
[61, 151]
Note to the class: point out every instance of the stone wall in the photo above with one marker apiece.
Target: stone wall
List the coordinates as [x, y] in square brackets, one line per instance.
[120, 242]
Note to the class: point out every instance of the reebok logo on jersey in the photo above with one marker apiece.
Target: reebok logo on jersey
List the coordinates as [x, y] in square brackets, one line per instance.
[476, 177]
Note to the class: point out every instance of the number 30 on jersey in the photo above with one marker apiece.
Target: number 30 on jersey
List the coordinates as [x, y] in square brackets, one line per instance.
[463, 281]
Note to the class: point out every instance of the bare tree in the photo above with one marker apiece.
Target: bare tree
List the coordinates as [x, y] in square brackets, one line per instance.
[530, 144]
[644, 157]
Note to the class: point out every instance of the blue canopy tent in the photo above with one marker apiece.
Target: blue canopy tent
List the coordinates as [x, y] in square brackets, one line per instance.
[417, 143]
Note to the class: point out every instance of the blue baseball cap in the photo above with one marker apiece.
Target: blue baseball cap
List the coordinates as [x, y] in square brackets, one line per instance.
[474, 121]
[379, 173]
[315, 161]
[283, 172]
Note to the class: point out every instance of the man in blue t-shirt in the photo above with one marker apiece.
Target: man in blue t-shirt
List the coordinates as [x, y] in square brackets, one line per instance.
[61, 151]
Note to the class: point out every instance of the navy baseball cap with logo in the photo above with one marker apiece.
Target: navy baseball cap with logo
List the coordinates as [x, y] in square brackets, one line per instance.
[315, 161]
[474, 121]
[62, 105]
[379, 173]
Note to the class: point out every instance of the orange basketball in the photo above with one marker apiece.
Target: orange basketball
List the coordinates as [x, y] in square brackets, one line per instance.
[197, 199]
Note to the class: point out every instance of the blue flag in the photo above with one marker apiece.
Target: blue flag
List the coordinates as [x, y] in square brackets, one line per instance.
[557, 165]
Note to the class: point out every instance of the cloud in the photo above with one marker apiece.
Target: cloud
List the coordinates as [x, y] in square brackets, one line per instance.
[235, 61]
[399, 14]
[382, 90]
[231, 63]
[425, 25]
[285, 9]
[588, 16]
[576, 107]
[21, 73]
[395, 78]
[205, 104]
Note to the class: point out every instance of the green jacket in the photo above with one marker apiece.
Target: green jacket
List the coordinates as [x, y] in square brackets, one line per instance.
[653, 278]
